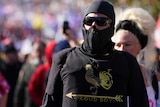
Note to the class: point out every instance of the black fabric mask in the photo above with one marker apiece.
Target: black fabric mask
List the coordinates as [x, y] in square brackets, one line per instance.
[97, 41]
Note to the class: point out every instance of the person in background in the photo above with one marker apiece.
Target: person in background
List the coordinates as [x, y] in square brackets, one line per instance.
[95, 74]
[10, 70]
[4, 90]
[37, 83]
[133, 34]
[68, 40]
[34, 59]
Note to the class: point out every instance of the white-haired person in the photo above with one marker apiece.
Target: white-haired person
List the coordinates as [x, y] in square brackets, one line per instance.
[134, 34]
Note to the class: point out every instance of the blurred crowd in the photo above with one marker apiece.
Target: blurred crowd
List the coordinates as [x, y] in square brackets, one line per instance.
[31, 32]
[37, 20]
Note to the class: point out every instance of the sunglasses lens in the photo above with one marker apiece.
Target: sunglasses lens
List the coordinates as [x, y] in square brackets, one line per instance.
[100, 21]
[88, 21]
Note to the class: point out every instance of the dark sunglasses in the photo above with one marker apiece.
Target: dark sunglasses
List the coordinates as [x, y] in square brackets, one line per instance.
[100, 21]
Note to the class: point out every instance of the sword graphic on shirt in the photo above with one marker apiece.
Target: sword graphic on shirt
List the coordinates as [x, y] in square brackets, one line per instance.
[94, 98]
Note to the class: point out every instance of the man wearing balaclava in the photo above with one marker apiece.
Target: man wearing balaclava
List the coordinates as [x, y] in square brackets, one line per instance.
[95, 74]
[97, 39]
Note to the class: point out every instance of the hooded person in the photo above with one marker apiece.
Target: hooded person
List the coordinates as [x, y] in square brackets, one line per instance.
[95, 74]
[37, 82]
[99, 41]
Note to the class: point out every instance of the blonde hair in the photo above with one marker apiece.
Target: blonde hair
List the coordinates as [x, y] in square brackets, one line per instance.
[146, 24]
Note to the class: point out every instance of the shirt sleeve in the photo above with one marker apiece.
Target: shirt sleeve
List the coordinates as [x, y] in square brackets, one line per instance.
[137, 89]
[151, 96]
[53, 93]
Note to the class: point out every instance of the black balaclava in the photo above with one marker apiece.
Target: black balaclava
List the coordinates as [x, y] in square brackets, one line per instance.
[98, 41]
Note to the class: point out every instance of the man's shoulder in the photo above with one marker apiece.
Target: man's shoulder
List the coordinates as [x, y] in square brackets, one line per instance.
[65, 51]
[124, 54]
[62, 55]
[125, 58]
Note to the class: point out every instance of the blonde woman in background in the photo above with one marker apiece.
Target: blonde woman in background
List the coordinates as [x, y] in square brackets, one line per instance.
[133, 34]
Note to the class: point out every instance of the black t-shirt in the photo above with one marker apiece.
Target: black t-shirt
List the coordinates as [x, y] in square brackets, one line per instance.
[105, 81]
